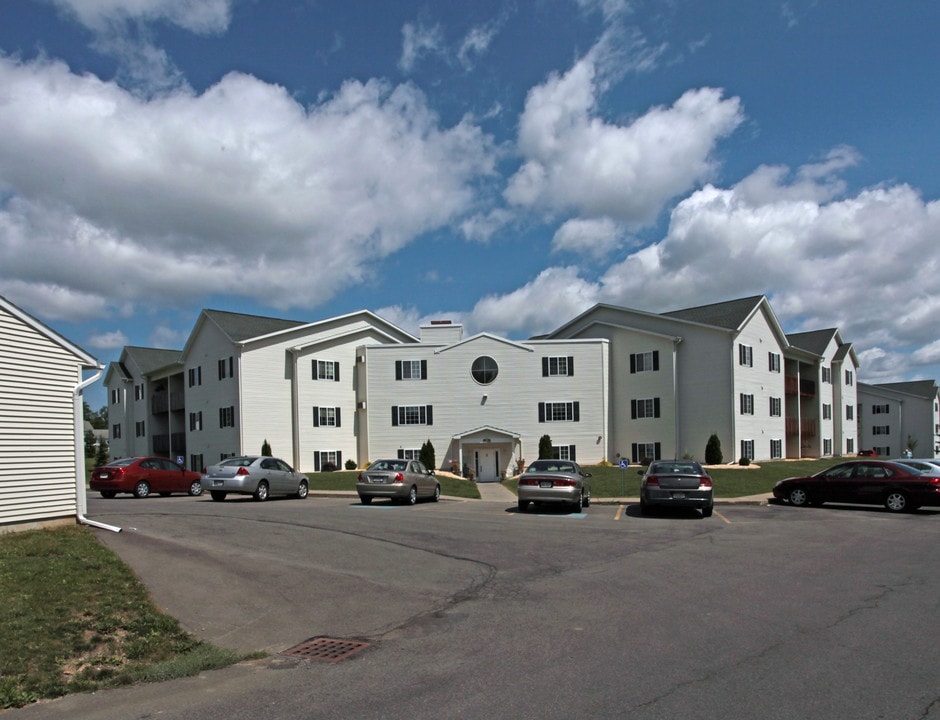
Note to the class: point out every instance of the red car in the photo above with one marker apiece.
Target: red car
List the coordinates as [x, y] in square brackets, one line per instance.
[897, 486]
[141, 476]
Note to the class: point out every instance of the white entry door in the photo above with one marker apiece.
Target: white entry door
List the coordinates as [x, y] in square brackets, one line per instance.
[486, 466]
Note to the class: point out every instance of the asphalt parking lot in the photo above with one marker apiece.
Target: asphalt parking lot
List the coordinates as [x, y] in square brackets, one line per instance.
[472, 609]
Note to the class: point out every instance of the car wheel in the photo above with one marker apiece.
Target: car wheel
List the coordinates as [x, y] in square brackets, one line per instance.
[142, 489]
[579, 503]
[108, 494]
[302, 490]
[365, 499]
[707, 511]
[437, 493]
[896, 501]
[217, 495]
[798, 497]
[587, 499]
[196, 488]
[412, 496]
[261, 492]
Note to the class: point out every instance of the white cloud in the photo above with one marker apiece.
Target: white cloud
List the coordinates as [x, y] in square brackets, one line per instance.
[419, 40]
[239, 190]
[108, 341]
[591, 237]
[201, 16]
[574, 160]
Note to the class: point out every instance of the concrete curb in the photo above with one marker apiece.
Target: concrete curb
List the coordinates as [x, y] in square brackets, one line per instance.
[746, 500]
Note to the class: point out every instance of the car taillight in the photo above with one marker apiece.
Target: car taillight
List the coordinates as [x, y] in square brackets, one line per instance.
[934, 481]
[652, 480]
[565, 482]
[399, 478]
[528, 481]
[243, 471]
[705, 482]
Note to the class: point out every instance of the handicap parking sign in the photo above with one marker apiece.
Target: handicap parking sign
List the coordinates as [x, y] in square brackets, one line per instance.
[179, 459]
[624, 463]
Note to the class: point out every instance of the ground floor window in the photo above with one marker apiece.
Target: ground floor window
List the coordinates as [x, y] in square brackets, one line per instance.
[886, 450]
[747, 449]
[563, 452]
[327, 460]
[645, 452]
[776, 449]
[409, 453]
[827, 446]
[850, 445]
[196, 463]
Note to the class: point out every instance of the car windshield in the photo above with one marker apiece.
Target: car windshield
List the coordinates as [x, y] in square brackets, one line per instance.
[389, 465]
[237, 462]
[676, 468]
[123, 462]
[551, 466]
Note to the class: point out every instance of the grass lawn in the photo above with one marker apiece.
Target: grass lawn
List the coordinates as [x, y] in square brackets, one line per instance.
[346, 480]
[730, 481]
[74, 618]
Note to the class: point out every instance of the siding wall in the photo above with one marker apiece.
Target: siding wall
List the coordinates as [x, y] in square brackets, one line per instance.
[37, 424]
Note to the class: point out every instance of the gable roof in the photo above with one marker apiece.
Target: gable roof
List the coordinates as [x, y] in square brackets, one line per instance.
[240, 327]
[83, 357]
[150, 359]
[926, 389]
[730, 315]
[815, 341]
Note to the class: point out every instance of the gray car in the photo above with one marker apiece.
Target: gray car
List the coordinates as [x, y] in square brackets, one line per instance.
[554, 481]
[401, 480]
[258, 475]
[676, 483]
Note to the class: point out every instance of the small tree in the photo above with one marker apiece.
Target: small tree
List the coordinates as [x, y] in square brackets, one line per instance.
[102, 457]
[426, 455]
[911, 443]
[89, 443]
[265, 447]
[713, 454]
[545, 448]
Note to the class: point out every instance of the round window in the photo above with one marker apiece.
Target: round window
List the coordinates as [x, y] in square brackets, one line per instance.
[484, 370]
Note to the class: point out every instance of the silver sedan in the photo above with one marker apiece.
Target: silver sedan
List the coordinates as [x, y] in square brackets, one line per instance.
[555, 481]
[401, 480]
[258, 475]
[680, 483]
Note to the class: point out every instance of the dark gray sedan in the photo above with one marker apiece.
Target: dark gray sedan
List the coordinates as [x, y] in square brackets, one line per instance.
[401, 480]
[555, 481]
[679, 483]
[258, 475]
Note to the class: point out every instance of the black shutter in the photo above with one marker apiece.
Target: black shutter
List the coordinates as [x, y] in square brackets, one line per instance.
[633, 409]
[571, 454]
[337, 417]
[316, 461]
[339, 459]
[655, 360]
[336, 371]
[544, 367]
[424, 369]
[571, 366]
[401, 454]
[657, 454]
[632, 363]
[313, 368]
[633, 452]
[398, 369]
[576, 411]
[316, 416]
[655, 407]
[430, 415]
[394, 415]
[541, 412]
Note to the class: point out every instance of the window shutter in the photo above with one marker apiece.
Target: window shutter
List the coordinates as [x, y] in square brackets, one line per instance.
[398, 369]
[633, 409]
[313, 368]
[316, 461]
[657, 453]
[655, 360]
[394, 415]
[401, 454]
[339, 458]
[541, 412]
[576, 411]
[336, 371]
[424, 369]
[655, 407]
[571, 453]
[544, 367]
[337, 417]
[632, 363]
[570, 365]
[430, 415]
[316, 416]
[634, 453]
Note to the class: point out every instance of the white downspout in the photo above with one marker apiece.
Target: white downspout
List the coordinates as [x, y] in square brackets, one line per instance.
[82, 503]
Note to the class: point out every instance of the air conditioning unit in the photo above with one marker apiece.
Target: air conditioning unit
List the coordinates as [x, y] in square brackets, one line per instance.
[361, 404]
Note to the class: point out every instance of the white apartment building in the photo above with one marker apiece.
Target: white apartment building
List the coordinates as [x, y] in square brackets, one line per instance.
[895, 416]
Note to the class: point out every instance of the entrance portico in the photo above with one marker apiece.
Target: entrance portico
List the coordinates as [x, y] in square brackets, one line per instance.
[487, 451]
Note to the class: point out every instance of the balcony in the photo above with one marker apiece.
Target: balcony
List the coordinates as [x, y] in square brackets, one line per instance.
[804, 428]
[797, 386]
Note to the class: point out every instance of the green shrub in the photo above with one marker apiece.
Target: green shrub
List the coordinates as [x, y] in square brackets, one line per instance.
[713, 454]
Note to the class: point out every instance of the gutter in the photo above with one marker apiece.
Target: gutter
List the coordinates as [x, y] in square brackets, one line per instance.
[82, 503]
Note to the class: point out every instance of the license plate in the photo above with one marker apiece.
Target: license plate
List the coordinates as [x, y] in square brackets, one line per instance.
[218, 482]
[545, 483]
[377, 480]
[103, 476]
[678, 496]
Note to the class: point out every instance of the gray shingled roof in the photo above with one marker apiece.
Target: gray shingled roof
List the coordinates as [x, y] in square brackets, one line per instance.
[815, 341]
[921, 388]
[241, 327]
[729, 315]
[150, 359]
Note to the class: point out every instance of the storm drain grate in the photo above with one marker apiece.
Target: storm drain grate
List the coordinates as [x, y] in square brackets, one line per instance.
[326, 649]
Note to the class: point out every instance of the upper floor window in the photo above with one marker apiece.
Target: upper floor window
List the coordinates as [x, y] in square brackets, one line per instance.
[195, 421]
[116, 431]
[326, 417]
[644, 362]
[559, 411]
[139, 429]
[326, 370]
[195, 376]
[558, 365]
[773, 362]
[849, 377]
[776, 407]
[411, 369]
[484, 370]
[647, 408]
[827, 411]
[412, 415]
[745, 355]
[849, 412]
[226, 368]
[881, 430]
[227, 416]
[115, 396]
[880, 409]
[827, 374]
[747, 404]
[139, 392]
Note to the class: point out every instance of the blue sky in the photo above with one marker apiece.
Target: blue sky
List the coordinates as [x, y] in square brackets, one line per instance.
[502, 164]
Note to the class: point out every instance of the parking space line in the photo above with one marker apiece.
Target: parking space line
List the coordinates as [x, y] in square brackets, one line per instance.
[619, 512]
[722, 517]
